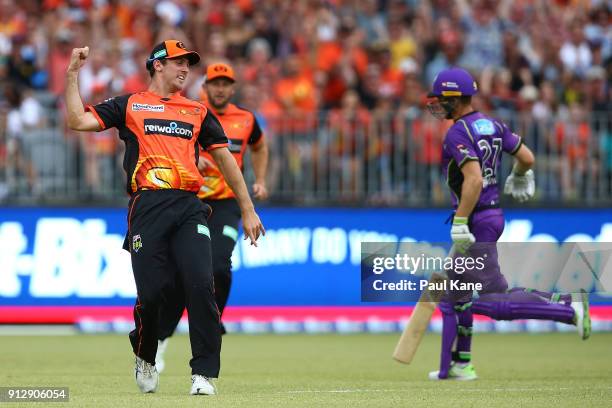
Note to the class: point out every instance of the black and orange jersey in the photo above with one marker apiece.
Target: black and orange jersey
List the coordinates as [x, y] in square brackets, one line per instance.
[242, 129]
[160, 135]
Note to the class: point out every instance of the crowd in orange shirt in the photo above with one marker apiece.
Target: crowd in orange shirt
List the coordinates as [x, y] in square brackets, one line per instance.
[303, 63]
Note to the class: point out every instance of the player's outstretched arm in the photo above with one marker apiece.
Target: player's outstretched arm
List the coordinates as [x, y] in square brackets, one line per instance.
[77, 118]
[521, 182]
[251, 224]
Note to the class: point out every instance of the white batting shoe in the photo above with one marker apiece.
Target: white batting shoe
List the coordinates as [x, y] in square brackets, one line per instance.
[457, 372]
[147, 377]
[160, 363]
[582, 316]
[201, 385]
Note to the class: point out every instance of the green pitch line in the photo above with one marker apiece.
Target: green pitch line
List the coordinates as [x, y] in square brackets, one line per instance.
[320, 371]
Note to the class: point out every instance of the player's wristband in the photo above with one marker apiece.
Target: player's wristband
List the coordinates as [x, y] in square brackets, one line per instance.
[460, 220]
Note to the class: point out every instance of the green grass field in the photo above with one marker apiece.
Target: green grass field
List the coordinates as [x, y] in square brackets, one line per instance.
[320, 371]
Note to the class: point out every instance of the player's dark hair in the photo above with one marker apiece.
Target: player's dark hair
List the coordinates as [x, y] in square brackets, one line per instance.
[152, 69]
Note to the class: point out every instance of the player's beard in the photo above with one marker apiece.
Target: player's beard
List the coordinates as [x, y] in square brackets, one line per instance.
[218, 105]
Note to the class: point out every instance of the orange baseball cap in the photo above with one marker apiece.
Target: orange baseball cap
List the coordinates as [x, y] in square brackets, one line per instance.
[172, 49]
[219, 70]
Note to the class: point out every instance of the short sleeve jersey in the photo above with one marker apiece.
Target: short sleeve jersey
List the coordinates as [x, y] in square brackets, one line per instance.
[481, 138]
[162, 138]
[242, 130]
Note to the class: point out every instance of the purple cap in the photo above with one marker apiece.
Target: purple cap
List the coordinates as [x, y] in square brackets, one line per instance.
[454, 82]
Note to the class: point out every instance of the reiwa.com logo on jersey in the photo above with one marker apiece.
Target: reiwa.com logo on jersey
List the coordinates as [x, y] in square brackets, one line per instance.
[174, 128]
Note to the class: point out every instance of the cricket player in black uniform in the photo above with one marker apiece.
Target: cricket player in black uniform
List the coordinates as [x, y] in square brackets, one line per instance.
[243, 131]
[166, 220]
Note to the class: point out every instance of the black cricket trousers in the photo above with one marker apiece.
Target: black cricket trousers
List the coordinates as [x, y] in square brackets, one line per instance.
[164, 225]
[223, 225]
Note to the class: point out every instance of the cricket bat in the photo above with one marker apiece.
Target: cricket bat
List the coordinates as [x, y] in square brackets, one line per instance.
[419, 321]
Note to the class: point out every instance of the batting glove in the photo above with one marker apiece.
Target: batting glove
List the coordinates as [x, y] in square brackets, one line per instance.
[522, 187]
[461, 235]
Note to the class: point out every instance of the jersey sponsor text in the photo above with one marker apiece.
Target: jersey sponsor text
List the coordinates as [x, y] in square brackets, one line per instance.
[168, 128]
[136, 107]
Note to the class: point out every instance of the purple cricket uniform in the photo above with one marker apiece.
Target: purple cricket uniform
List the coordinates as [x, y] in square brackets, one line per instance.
[481, 138]
[478, 137]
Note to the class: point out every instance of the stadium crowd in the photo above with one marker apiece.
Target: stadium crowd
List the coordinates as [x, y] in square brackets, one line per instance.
[340, 86]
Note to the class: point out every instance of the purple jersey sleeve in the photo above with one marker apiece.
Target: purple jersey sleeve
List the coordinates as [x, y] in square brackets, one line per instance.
[460, 146]
[511, 142]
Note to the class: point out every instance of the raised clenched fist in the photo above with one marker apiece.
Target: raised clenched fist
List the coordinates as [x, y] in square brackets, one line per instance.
[78, 58]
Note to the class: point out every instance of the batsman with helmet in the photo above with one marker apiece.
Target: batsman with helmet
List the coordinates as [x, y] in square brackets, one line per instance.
[471, 158]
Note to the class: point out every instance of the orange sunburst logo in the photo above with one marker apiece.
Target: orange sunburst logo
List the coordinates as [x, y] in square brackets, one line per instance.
[160, 172]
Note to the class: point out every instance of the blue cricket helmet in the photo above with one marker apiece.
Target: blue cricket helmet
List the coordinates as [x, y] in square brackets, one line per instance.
[454, 82]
